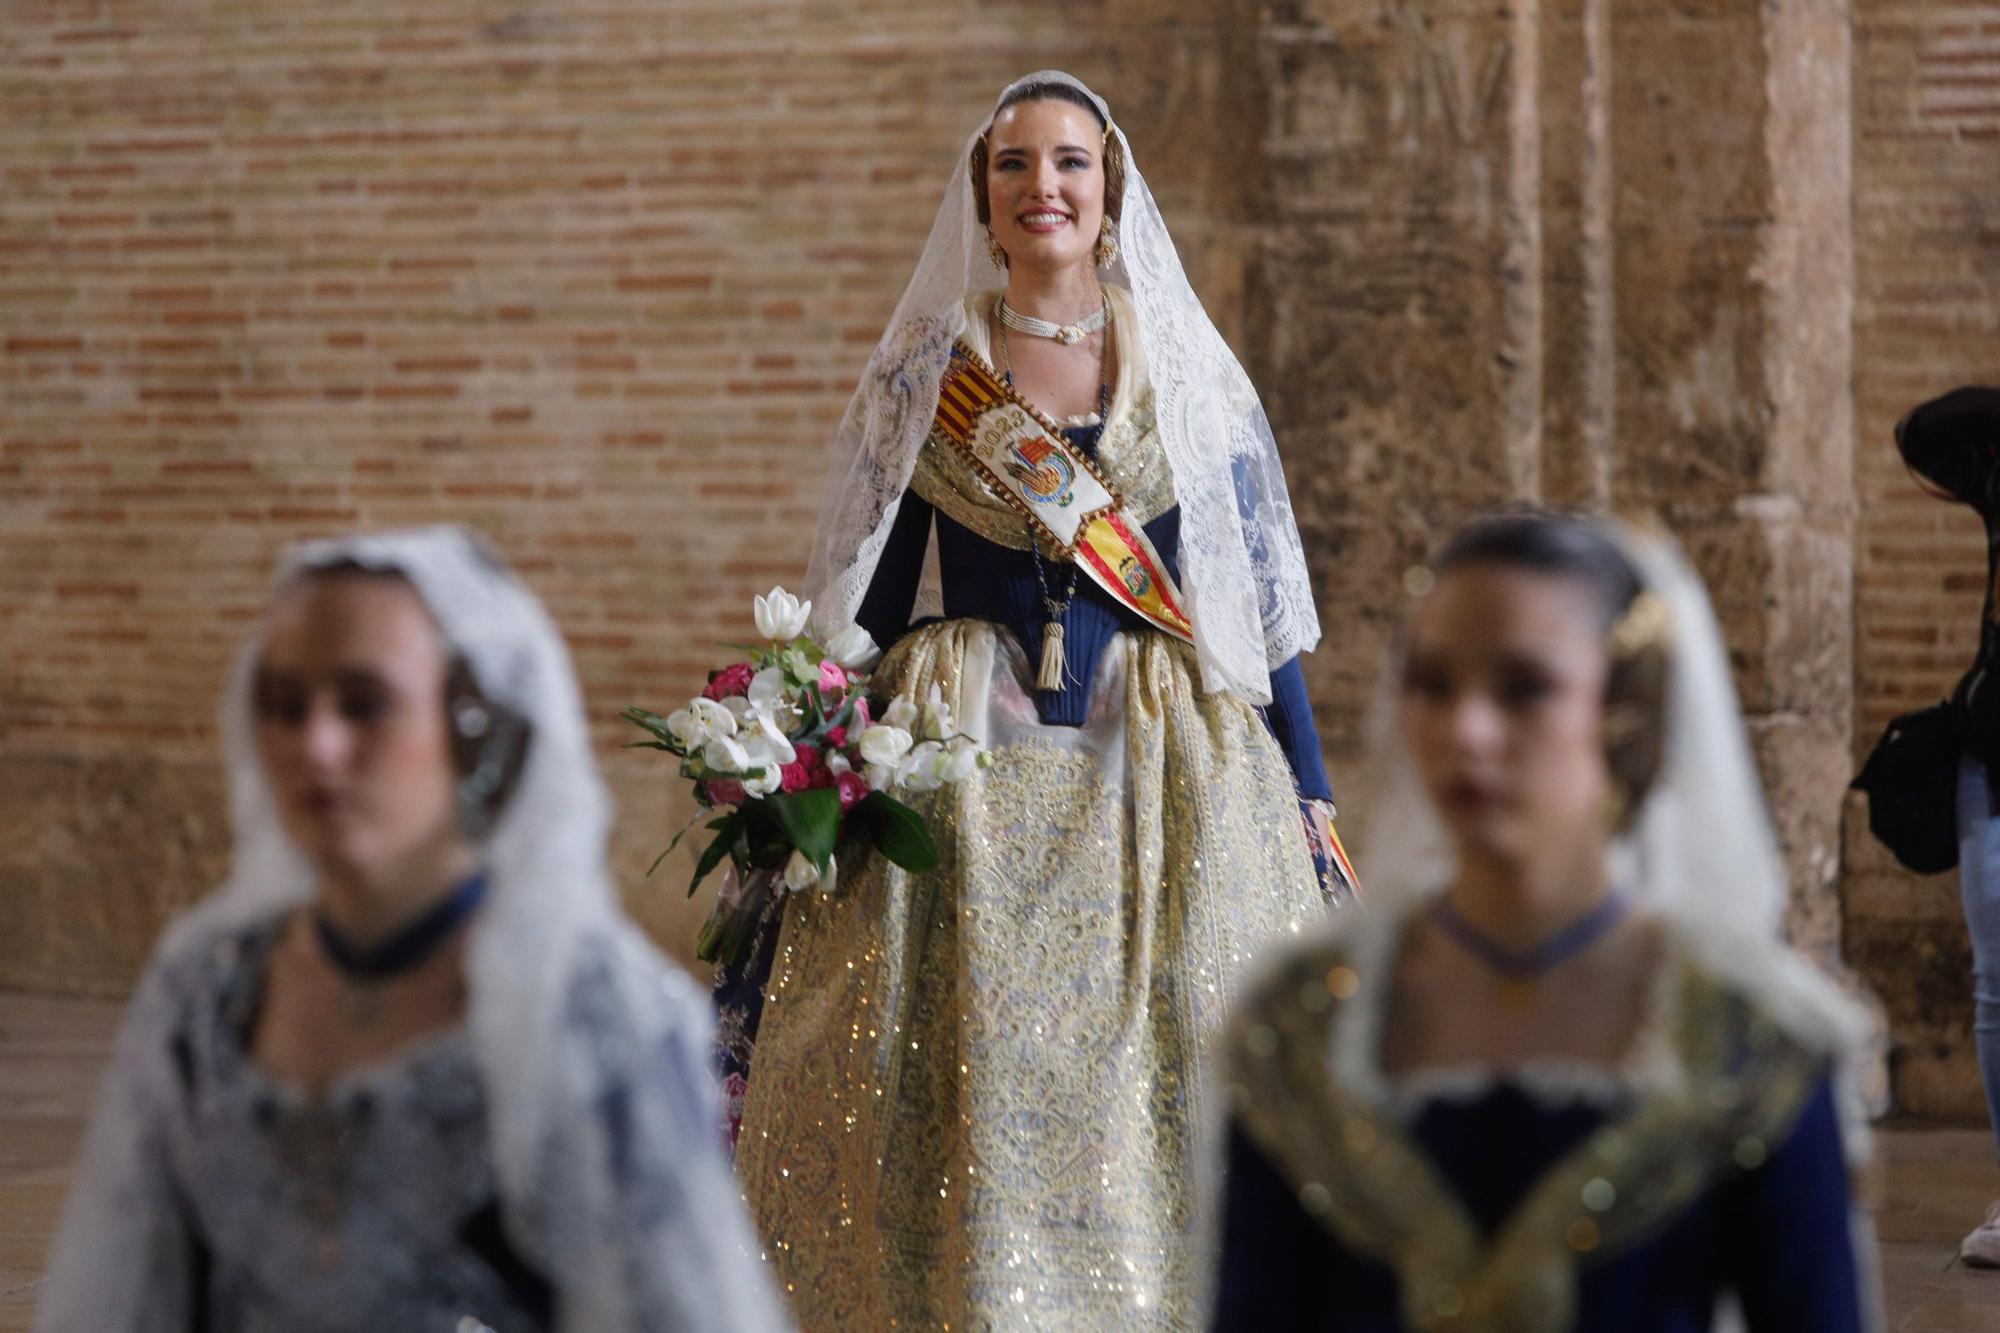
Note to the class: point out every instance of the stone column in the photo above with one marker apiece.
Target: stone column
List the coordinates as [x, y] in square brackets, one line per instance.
[1733, 277]
[1585, 252]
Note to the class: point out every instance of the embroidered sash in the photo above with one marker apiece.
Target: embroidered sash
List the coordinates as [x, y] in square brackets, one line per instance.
[1068, 504]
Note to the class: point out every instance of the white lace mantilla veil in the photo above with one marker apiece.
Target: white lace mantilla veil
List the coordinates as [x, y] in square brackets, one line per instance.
[548, 891]
[1243, 571]
[1703, 846]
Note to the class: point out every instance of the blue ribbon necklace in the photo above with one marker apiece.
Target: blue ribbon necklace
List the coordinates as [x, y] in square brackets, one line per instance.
[364, 969]
[1521, 969]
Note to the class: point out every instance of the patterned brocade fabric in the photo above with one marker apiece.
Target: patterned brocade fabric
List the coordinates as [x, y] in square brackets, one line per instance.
[980, 1093]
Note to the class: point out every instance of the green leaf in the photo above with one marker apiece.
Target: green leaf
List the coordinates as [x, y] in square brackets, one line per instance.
[897, 831]
[810, 820]
[652, 745]
[688, 827]
[650, 721]
[726, 830]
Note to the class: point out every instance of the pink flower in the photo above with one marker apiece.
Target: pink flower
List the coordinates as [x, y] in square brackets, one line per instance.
[832, 677]
[729, 682]
[797, 775]
[726, 791]
[836, 737]
[861, 713]
[853, 789]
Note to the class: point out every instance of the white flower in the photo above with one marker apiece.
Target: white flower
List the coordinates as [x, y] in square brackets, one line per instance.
[938, 723]
[836, 763]
[919, 770]
[761, 728]
[801, 873]
[854, 648]
[884, 744]
[901, 713]
[780, 616]
[724, 754]
[703, 720]
[961, 759]
[883, 749]
[768, 688]
[769, 755]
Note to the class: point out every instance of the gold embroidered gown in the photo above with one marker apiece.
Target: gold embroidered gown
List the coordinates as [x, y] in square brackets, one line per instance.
[978, 1094]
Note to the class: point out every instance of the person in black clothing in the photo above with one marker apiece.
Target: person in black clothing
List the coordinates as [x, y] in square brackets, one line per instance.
[1953, 442]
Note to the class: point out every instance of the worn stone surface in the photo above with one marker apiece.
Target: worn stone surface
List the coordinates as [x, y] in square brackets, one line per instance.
[1585, 253]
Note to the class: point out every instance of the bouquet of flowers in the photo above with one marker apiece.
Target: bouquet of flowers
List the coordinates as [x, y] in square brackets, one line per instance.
[793, 769]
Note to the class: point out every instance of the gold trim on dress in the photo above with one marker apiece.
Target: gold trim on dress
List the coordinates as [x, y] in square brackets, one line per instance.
[1358, 1172]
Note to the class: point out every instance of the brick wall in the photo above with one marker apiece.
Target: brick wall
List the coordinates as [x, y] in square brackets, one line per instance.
[1927, 218]
[598, 279]
[595, 278]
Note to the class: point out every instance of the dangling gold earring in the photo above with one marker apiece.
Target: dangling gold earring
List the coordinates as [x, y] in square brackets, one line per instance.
[1107, 243]
[994, 249]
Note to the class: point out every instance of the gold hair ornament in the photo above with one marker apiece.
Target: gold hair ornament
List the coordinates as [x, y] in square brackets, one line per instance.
[1647, 623]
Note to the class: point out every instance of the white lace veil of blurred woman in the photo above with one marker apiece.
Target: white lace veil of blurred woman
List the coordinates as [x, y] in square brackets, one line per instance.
[1702, 847]
[1243, 570]
[549, 889]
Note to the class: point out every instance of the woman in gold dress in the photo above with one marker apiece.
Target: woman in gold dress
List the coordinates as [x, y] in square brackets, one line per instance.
[978, 1093]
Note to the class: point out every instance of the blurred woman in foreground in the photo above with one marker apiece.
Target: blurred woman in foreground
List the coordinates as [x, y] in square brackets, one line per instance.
[1564, 1076]
[408, 1068]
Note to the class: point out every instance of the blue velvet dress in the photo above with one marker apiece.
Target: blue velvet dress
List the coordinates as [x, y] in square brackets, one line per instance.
[1600, 1206]
[1776, 1237]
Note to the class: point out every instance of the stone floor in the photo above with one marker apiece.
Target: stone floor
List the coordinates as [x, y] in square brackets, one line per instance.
[1934, 1180]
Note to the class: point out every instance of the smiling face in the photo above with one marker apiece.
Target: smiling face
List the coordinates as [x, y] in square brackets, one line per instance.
[350, 714]
[1045, 184]
[1503, 706]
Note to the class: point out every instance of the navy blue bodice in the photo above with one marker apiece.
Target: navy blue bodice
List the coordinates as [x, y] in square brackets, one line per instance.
[1777, 1236]
[986, 581]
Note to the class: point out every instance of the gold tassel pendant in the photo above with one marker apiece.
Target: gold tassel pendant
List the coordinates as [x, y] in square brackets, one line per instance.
[1055, 662]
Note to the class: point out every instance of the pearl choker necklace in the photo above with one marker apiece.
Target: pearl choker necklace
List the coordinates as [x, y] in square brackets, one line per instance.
[1069, 335]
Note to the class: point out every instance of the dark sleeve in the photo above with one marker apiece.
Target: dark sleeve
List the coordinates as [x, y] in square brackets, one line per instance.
[1952, 440]
[1274, 1257]
[1290, 717]
[1791, 1222]
[892, 593]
